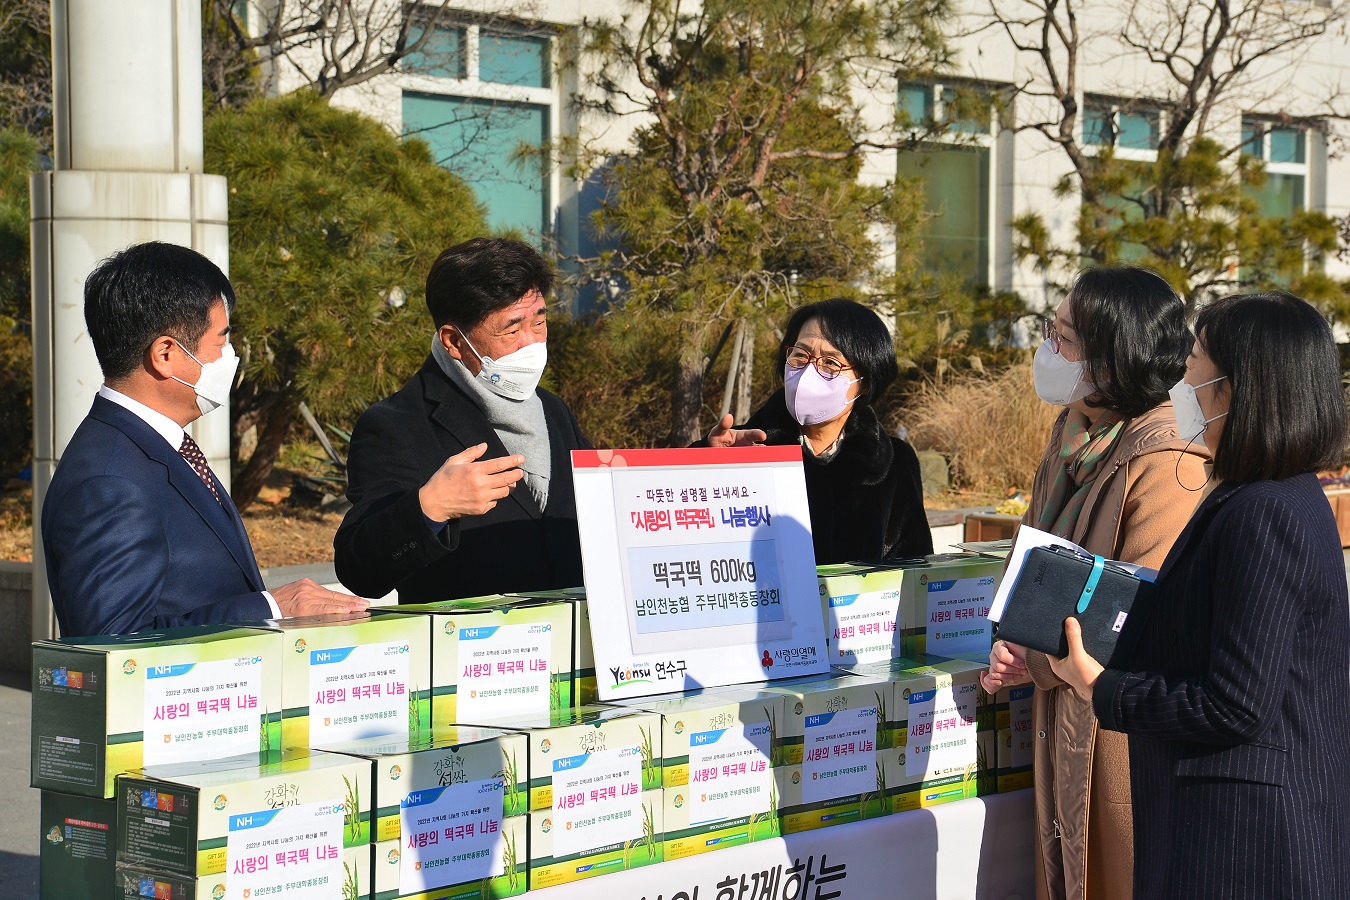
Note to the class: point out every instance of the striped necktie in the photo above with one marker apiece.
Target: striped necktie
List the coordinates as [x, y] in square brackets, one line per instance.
[197, 459]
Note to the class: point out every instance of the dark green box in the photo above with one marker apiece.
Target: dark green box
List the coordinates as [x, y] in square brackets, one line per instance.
[78, 846]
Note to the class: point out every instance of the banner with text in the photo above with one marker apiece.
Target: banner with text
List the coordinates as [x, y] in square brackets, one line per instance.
[705, 557]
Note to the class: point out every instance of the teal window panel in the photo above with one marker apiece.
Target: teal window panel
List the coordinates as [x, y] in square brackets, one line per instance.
[443, 55]
[513, 59]
[1138, 131]
[1099, 129]
[956, 189]
[1124, 209]
[477, 140]
[1281, 196]
[916, 102]
[978, 124]
[1288, 145]
[1252, 138]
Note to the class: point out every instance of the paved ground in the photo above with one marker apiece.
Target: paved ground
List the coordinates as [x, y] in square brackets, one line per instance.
[19, 810]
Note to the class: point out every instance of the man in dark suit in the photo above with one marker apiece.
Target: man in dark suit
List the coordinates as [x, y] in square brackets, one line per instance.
[461, 483]
[138, 532]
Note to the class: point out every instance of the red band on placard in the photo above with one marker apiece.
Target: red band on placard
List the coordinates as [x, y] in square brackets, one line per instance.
[686, 456]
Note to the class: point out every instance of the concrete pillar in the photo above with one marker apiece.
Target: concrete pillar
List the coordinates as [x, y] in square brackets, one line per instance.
[127, 87]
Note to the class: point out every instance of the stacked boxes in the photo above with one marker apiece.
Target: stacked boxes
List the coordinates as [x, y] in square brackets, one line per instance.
[78, 847]
[1015, 751]
[595, 792]
[450, 813]
[938, 605]
[830, 733]
[936, 750]
[584, 691]
[208, 830]
[721, 749]
[105, 705]
[350, 677]
[497, 658]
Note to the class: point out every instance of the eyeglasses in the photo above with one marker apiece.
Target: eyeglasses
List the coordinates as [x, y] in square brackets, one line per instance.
[828, 367]
[1049, 333]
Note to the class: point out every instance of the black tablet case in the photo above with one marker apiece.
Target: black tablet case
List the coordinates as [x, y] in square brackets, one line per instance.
[1047, 592]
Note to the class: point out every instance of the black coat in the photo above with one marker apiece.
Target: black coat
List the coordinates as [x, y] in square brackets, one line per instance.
[1238, 705]
[385, 543]
[867, 501]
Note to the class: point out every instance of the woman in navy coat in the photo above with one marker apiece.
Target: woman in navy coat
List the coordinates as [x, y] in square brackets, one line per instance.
[1237, 704]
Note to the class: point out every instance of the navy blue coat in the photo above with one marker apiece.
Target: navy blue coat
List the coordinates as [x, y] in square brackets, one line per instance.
[134, 540]
[1238, 704]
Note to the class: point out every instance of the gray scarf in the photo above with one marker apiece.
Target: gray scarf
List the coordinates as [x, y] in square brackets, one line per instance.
[520, 424]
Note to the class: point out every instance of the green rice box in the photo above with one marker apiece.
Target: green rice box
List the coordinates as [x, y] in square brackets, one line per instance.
[832, 728]
[720, 748]
[934, 752]
[456, 755]
[295, 826]
[573, 843]
[1015, 741]
[592, 745]
[584, 691]
[496, 658]
[77, 847]
[937, 605]
[110, 704]
[345, 678]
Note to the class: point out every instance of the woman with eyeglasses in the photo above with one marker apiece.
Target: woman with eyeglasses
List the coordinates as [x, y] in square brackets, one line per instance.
[862, 484]
[1112, 482]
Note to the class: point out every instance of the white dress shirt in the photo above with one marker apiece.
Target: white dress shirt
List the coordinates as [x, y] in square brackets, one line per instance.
[172, 433]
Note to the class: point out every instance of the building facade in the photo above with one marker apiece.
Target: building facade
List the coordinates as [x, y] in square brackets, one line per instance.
[489, 82]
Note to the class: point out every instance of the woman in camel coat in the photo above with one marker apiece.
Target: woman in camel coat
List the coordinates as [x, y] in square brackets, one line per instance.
[1116, 480]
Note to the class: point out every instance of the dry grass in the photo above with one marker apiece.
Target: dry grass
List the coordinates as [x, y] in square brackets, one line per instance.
[16, 522]
[991, 428]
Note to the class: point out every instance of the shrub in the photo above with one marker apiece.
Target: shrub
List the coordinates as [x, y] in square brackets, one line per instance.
[991, 427]
[334, 223]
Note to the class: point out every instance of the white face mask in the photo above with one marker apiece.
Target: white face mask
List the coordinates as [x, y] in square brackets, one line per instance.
[213, 385]
[515, 375]
[1059, 382]
[1191, 419]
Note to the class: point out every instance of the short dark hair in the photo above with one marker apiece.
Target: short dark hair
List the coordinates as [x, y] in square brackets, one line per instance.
[474, 279]
[145, 291]
[1131, 328]
[859, 334]
[1286, 412]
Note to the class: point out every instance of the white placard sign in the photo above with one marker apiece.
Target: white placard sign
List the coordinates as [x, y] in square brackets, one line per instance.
[358, 692]
[941, 729]
[503, 672]
[204, 710]
[839, 756]
[450, 835]
[729, 773]
[597, 800]
[958, 616]
[702, 560]
[295, 849]
[864, 626]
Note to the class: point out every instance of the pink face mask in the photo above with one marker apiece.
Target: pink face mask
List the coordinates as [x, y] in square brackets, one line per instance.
[811, 398]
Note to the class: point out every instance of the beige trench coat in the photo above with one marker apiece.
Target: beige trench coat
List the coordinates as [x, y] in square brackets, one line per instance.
[1136, 509]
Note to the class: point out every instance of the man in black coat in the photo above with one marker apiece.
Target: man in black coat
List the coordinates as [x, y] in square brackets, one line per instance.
[461, 483]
